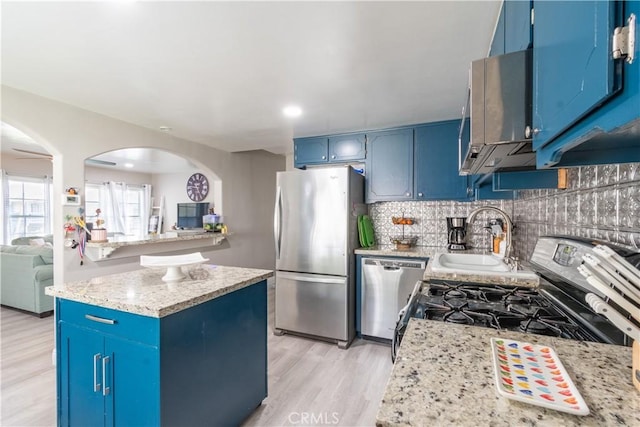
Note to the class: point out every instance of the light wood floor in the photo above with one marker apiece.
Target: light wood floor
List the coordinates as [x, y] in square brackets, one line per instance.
[310, 382]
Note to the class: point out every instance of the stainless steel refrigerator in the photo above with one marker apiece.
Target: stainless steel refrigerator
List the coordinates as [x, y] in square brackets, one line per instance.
[315, 227]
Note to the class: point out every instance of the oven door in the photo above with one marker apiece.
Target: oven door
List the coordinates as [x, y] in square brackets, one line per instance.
[403, 319]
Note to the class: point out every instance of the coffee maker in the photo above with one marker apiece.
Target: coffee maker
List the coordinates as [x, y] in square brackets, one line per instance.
[457, 233]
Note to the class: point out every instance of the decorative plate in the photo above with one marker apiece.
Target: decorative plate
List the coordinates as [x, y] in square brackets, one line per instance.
[533, 374]
[173, 264]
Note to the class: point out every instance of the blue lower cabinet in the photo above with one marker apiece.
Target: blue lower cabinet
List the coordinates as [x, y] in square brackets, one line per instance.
[205, 365]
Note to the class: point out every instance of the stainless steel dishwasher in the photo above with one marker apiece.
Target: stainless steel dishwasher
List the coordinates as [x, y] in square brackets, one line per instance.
[386, 285]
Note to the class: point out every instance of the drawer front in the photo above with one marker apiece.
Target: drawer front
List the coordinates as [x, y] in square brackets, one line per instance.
[129, 326]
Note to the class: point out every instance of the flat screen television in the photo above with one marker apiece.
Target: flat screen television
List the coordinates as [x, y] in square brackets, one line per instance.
[190, 214]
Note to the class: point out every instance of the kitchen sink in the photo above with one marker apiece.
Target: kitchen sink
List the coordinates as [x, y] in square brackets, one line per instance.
[482, 262]
[465, 263]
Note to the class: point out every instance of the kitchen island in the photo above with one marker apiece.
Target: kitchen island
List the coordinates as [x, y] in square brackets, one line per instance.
[444, 376]
[134, 350]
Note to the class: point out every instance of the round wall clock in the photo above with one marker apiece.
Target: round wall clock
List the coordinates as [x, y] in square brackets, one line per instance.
[197, 187]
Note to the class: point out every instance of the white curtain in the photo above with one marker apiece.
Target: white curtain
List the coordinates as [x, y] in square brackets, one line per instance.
[4, 213]
[48, 193]
[115, 214]
[145, 211]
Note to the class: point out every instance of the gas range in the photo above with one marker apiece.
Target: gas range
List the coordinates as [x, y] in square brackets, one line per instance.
[513, 309]
[556, 307]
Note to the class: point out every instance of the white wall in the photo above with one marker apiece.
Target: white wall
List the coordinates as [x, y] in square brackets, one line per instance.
[72, 134]
[33, 167]
[98, 175]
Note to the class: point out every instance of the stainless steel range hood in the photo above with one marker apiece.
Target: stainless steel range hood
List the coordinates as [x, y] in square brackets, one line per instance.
[500, 109]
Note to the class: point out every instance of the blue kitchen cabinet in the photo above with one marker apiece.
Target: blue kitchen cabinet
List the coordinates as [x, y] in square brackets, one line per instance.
[483, 189]
[204, 365]
[586, 104]
[329, 149]
[517, 25]
[436, 162]
[345, 148]
[497, 44]
[106, 380]
[525, 180]
[310, 151]
[513, 29]
[389, 165]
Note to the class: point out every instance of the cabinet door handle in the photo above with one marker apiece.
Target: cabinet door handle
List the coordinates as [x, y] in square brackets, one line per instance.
[407, 194]
[419, 194]
[100, 319]
[324, 157]
[333, 157]
[96, 384]
[105, 389]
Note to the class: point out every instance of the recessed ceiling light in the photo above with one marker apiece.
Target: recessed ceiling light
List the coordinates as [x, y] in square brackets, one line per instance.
[292, 111]
[165, 128]
[128, 165]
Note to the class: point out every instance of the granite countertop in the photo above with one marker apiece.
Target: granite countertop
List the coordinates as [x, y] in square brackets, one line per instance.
[143, 291]
[443, 375]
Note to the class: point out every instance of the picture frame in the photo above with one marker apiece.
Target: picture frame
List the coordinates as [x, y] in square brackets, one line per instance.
[71, 199]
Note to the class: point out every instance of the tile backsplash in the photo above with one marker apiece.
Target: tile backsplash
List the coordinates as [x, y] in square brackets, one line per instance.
[431, 220]
[600, 202]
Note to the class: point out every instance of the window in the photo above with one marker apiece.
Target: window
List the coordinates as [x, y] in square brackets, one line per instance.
[26, 207]
[122, 207]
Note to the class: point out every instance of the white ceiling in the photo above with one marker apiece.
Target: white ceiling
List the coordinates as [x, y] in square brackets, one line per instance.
[219, 73]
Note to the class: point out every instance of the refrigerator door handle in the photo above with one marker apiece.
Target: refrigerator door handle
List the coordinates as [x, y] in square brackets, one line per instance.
[298, 278]
[277, 220]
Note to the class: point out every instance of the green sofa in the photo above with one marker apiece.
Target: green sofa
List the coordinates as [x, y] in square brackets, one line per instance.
[24, 273]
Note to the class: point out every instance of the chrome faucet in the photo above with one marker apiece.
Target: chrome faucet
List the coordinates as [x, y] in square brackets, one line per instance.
[507, 221]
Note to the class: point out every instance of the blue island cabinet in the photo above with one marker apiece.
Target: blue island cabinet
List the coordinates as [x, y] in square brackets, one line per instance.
[204, 365]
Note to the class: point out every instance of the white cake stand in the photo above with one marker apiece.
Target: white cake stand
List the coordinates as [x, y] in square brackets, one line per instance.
[173, 264]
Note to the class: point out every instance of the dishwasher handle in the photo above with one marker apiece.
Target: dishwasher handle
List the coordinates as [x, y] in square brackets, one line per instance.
[394, 264]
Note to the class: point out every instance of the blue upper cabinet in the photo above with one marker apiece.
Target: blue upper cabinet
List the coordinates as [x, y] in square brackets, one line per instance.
[586, 104]
[310, 151]
[572, 64]
[513, 30]
[347, 147]
[497, 44]
[329, 149]
[436, 162]
[389, 165]
[517, 25]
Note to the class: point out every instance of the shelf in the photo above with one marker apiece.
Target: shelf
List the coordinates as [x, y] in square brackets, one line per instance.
[122, 247]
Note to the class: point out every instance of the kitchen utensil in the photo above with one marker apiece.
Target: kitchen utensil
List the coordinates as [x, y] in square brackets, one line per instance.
[609, 275]
[620, 264]
[367, 226]
[610, 293]
[601, 307]
[363, 242]
[636, 364]
[533, 374]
